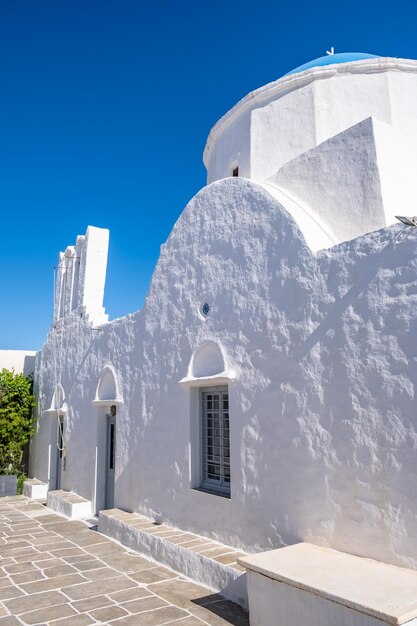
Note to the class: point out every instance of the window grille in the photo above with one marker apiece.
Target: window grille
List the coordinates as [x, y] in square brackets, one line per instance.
[215, 442]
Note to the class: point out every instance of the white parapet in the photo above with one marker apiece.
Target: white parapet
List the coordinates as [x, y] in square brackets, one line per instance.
[35, 489]
[313, 586]
[80, 277]
[69, 504]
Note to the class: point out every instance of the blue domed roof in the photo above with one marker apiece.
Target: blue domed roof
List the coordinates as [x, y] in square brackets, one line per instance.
[332, 59]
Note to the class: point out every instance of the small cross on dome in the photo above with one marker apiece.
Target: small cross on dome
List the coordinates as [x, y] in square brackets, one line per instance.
[331, 51]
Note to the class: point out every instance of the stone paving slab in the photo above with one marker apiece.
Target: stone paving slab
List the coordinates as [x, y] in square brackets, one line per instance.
[61, 573]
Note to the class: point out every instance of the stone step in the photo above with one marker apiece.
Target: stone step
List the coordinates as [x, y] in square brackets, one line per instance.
[199, 558]
[69, 504]
[35, 489]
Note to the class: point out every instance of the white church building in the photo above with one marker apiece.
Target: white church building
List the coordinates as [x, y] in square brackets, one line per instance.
[265, 393]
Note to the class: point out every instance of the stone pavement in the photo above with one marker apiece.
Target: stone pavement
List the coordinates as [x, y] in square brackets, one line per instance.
[60, 572]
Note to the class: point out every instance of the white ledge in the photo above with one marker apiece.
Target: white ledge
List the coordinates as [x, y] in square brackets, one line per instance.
[223, 378]
[114, 402]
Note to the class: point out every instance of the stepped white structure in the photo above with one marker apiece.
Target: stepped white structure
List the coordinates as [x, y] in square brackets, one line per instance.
[265, 393]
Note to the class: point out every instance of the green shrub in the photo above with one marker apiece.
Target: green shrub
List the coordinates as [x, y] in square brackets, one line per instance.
[16, 422]
[20, 480]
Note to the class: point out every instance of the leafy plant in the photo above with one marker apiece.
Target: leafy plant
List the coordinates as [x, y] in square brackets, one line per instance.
[20, 480]
[16, 422]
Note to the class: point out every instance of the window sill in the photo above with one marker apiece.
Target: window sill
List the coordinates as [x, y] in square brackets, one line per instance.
[107, 402]
[63, 410]
[218, 494]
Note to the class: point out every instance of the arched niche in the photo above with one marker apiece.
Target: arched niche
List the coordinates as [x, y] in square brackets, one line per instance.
[58, 405]
[209, 364]
[207, 361]
[107, 391]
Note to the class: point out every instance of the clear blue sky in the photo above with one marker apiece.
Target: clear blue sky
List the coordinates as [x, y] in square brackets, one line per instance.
[105, 108]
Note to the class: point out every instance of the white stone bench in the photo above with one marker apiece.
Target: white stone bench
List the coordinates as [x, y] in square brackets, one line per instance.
[308, 585]
[199, 558]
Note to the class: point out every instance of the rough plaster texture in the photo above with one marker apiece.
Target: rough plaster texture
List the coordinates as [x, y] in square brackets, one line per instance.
[21, 361]
[317, 347]
[322, 405]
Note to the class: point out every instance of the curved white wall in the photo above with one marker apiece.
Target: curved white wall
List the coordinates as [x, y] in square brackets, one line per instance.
[283, 119]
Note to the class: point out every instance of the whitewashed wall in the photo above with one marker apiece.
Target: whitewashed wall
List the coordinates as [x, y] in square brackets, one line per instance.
[21, 361]
[322, 409]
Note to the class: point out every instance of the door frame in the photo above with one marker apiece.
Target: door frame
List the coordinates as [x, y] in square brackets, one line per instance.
[60, 425]
[110, 459]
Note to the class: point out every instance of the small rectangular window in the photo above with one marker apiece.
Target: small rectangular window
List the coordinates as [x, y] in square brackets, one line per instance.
[236, 171]
[215, 441]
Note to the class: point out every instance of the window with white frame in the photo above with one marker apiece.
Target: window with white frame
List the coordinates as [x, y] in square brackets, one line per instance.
[214, 439]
